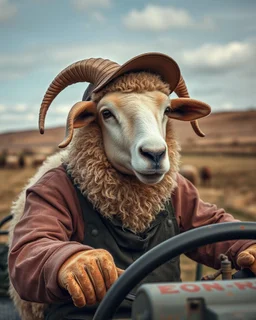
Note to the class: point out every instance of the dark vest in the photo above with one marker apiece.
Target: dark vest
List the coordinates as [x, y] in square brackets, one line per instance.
[125, 247]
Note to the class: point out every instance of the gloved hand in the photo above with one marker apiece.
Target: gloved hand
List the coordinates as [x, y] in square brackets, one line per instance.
[87, 275]
[247, 258]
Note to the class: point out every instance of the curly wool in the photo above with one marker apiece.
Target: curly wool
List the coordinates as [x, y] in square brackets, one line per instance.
[112, 193]
[134, 82]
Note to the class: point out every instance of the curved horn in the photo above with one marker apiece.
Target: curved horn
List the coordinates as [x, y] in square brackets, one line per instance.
[88, 70]
[182, 91]
[76, 110]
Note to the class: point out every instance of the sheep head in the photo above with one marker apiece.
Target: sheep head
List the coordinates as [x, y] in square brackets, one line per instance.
[132, 111]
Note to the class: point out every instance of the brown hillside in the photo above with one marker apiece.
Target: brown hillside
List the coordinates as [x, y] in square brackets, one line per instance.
[225, 132]
[232, 132]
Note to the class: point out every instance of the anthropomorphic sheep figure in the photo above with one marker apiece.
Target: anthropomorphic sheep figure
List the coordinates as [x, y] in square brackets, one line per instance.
[113, 193]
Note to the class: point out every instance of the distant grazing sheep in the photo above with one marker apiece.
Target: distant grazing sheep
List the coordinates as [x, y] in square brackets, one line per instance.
[206, 176]
[190, 172]
[12, 162]
[38, 159]
[3, 156]
[22, 160]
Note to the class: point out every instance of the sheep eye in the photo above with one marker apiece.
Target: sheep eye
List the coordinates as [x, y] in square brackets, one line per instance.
[167, 110]
[107, 114]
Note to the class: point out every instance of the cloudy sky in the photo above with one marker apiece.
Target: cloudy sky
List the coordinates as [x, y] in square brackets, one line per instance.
[214, 43]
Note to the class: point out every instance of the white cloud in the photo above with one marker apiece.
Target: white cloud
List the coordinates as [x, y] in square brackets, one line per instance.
[221, 56]
[7, 10]
[57, 57]
[12, 66]
[31, 117]
[21, 107]
[115, 51]
[90, 4]
[13, 121]
[206, 59]
[27, 59]
[7, 117]
[2, 108]
[160, 18]
[62, 109]
[227, 106]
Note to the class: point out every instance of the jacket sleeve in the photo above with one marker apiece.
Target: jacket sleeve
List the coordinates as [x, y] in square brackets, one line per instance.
[192, 212]
[44, 238]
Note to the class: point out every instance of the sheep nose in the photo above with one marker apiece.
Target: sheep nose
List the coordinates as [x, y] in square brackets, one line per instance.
[153, 156]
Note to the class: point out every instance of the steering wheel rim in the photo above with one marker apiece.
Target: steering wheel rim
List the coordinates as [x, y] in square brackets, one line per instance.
[168, 250]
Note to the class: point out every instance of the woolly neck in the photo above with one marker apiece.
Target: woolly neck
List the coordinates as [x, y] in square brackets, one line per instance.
[112, 193]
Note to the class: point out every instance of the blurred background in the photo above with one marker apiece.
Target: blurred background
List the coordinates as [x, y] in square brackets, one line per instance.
[214, 44]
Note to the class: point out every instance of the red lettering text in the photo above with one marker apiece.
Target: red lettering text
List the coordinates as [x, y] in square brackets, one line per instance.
[244, 285]
[212, 286]
[190, 287]
[168, 289]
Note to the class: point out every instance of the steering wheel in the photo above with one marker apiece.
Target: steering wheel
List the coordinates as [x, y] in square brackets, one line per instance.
[166, 251]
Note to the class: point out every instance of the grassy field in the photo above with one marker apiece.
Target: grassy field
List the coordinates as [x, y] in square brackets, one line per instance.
[233, 185]
[233, 188]
[12, 182]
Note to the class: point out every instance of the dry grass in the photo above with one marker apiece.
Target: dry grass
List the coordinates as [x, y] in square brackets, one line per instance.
[11, 183]
[233, 185]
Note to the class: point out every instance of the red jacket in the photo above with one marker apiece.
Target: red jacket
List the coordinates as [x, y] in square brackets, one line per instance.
[52, 229]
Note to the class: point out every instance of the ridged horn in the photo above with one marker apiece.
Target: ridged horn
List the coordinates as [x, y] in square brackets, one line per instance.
[182, 92]
[88, 70]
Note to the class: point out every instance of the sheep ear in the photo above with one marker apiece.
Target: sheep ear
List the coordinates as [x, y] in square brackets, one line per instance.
[85, 113]
[187, 109]
[80, 115]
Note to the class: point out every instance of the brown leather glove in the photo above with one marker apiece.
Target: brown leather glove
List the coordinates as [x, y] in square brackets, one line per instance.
[247, 258]
[87, 275]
